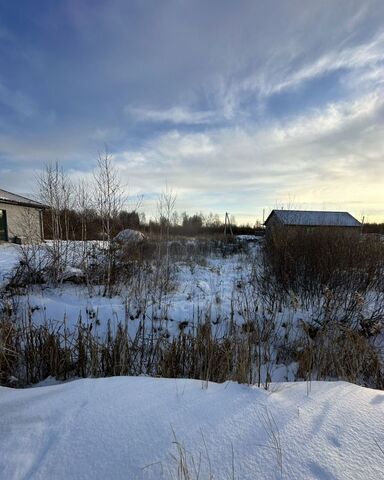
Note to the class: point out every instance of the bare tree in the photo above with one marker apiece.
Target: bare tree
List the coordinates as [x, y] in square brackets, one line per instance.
[56, 191]
[165, 212]
[83, 203]
[109, 201]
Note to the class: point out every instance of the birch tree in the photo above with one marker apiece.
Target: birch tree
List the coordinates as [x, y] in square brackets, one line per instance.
[109, 198]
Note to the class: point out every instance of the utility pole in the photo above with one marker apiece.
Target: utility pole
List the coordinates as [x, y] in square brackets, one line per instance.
[362, 224]
[227, 225]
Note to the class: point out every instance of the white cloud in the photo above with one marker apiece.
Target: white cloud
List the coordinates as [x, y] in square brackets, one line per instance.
[360, 66]
[351, 58]
[328, 157]
[361, 69]
[174, 115]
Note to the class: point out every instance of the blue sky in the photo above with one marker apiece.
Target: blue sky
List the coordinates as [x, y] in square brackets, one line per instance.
[237, 106]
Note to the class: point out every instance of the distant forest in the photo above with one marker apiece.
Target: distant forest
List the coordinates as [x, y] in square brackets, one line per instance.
[181, 224]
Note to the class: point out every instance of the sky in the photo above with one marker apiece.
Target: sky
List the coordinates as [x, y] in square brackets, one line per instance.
[236, 106]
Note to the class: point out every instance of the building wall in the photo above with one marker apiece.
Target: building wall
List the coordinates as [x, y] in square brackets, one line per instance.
[322, 228]
[333, 228]
[273, 222]
[23, 222]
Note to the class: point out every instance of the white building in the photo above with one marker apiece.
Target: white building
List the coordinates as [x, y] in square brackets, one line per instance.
[21, 219]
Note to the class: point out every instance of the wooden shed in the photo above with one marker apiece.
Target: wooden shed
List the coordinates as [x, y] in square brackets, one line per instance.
[310, 220]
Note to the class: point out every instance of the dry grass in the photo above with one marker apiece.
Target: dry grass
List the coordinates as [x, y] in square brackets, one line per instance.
[338, 339]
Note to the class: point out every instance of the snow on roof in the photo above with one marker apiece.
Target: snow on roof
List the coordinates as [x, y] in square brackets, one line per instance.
[14, 199]
[314, 218]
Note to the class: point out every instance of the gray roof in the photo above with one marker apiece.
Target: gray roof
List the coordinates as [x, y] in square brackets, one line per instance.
[14, 199]
[314, 219]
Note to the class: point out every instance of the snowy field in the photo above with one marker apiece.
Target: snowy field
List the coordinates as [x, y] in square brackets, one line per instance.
[198, 289]
[132, 428]
[209, 288]
[151, 428]
[213, 287]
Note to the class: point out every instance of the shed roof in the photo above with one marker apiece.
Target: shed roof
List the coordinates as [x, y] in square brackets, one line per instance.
[314, 218]
[14, 199]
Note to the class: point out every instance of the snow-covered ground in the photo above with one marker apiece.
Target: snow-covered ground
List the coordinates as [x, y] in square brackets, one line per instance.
[130, 428]
[210, 286]
[142, 428]
[198, 289]
[9, 254]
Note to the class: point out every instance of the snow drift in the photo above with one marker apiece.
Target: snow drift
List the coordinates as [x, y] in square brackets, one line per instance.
[129, 236]
[133, 428]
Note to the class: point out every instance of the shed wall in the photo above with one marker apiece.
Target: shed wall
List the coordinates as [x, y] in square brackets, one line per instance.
[23, 222]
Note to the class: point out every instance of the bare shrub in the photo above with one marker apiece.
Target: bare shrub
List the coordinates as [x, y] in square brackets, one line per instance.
[8, 352]
[304, 262]
[337, 351]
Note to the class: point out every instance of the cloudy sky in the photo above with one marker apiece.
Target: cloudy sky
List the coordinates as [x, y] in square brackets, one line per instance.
[236, 105]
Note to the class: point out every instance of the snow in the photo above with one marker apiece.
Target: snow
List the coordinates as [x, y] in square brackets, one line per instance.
[249, 238]
[198, 288]
[72, 273]
[210, 286]
[9, 256]
[130, 428]
[126, 428]
[129, 236]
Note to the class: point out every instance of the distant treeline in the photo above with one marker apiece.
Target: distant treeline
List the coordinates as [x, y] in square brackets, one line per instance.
[183, 224]
[95, 210]
[89, 223]
[374, 228]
